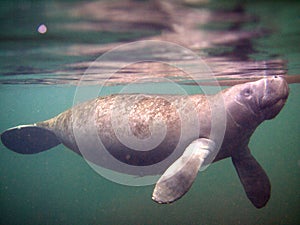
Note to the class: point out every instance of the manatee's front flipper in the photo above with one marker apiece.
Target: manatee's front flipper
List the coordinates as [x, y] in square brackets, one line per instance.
[254, 179]
[179, 177]
[29, 139]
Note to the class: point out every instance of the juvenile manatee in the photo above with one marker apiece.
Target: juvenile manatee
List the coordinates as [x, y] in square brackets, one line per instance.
[246, 106]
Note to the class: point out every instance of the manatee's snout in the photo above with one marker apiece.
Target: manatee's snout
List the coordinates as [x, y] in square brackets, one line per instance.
[274, 94]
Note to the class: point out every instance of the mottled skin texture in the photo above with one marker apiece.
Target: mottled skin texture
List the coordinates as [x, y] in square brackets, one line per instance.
[147, 114]
[245, 106]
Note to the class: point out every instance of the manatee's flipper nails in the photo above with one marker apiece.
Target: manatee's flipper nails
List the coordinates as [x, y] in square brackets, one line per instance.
[179, 177]
[254, 179]
[29, 139]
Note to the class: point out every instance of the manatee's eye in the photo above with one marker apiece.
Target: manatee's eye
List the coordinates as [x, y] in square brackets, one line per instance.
[247, 92]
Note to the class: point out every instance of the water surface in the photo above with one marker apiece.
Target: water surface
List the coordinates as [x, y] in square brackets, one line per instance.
[39, 74]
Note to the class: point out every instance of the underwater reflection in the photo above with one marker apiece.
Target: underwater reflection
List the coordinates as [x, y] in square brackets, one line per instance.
[219, 37]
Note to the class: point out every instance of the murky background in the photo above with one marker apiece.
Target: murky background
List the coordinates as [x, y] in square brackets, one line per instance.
[46, 48]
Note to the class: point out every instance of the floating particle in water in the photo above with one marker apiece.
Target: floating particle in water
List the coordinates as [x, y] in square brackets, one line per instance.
[42, 29]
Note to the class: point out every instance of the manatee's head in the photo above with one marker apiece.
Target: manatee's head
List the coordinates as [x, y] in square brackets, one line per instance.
[273, 97]
[253, 102]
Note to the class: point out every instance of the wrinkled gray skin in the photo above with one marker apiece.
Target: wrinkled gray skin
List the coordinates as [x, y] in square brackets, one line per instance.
[247, 105]
[170, 116]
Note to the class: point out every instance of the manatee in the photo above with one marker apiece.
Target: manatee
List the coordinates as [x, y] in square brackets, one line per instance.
[155, 118]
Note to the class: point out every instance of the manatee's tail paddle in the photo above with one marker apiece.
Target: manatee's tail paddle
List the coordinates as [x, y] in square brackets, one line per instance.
[29, 139]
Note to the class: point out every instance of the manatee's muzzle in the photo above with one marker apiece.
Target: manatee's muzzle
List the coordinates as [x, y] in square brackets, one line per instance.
[275, 94]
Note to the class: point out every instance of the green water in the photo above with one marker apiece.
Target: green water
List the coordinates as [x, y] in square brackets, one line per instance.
[59, 187]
